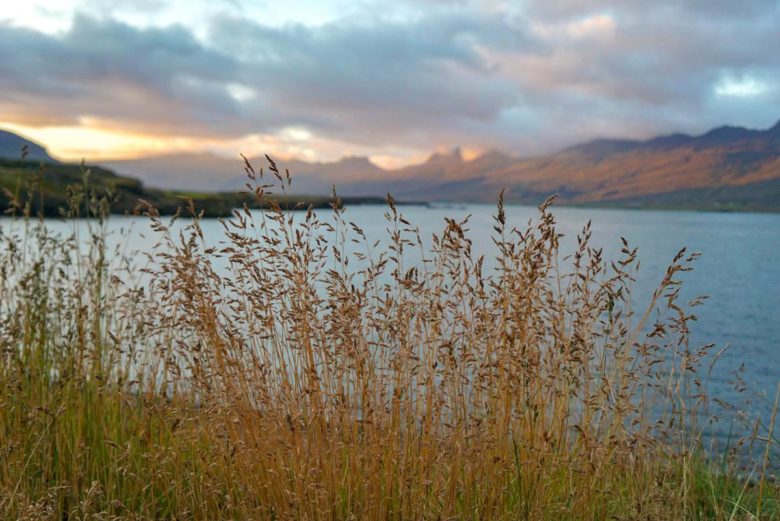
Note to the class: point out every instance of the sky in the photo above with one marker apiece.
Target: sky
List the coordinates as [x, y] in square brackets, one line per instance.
[323, 79]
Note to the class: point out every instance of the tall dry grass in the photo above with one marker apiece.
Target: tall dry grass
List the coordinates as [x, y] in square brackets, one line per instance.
[299, 371]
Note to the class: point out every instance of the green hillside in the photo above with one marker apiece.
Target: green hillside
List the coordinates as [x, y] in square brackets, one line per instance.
[48, 187]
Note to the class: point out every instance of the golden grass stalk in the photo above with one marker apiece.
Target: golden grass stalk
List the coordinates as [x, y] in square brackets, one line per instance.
[298, 371]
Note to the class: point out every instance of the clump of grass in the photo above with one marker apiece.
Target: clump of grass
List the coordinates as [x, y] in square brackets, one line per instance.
[299, 371]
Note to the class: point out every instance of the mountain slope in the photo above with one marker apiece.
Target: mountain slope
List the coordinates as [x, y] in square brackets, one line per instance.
[175, 171]
[51, 192]
[603, 171]
[726, 168]
[11, 148]
[210, 172]
[352, 176]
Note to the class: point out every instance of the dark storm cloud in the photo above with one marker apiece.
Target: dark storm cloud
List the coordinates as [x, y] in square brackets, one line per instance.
[454, 72]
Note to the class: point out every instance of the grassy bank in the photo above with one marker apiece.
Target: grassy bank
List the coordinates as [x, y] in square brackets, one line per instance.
[312, 381]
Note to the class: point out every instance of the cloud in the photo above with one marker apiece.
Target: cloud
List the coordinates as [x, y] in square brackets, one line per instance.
[695, 9]
[483, 73]
[155, 78]
[393, 78]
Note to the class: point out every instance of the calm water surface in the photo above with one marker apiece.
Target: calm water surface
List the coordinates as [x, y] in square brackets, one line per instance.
[739, 270]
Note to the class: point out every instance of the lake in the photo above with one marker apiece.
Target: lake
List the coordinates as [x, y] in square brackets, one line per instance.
[739, 270]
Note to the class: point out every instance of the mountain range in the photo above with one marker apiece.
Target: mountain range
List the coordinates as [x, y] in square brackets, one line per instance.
[12, 146]
[727, 168]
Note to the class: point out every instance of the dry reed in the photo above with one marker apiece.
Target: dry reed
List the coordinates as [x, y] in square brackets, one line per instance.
[298, 371]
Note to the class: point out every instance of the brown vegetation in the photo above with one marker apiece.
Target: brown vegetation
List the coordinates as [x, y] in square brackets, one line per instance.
[321, 376]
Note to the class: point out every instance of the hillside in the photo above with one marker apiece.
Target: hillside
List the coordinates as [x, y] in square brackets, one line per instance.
[210, 172]
[16, 177]
[11, 146]
[727, 168]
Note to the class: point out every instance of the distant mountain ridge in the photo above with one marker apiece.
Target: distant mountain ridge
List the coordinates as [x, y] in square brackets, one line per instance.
[11, 146]
[353, 175]
[52, 196]
[722, 135]
[728, 161]
[726, 168]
